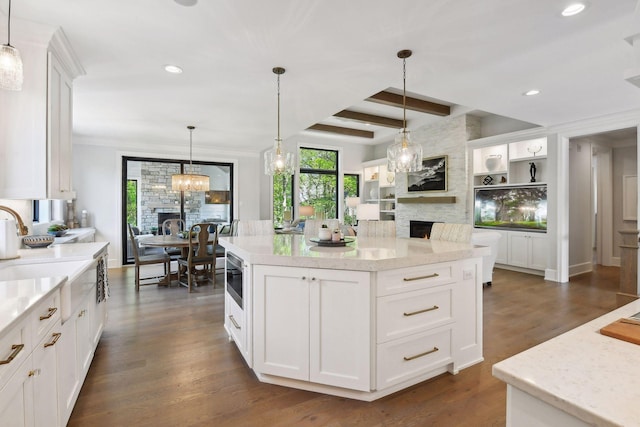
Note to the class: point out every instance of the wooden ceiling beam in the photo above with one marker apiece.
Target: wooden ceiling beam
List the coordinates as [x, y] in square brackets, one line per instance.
[342, 130]
[415, 104]
[370, 119]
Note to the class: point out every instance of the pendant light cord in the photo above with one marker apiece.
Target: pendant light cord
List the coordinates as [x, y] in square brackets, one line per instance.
[404, 93]
[9, 25]
[191, 128]
[278, 108]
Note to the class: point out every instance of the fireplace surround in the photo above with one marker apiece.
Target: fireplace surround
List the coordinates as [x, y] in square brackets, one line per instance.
[420, 229]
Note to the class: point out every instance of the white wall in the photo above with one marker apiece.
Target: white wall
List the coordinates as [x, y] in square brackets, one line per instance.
[97, 173]
[580, 207]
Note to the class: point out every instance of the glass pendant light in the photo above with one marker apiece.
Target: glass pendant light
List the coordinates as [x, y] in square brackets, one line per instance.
[276, 160]
[10, 62]
[190, 181]
[404, 155]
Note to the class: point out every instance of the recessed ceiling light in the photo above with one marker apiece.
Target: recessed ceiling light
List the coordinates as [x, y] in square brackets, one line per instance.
[573, 9]
[186, 2]
[173, 69]
[531, 92]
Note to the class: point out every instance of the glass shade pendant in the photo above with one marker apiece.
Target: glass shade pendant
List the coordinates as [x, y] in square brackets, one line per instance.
[190, 181]
[276, 160]
[10, 62]
[404, 155]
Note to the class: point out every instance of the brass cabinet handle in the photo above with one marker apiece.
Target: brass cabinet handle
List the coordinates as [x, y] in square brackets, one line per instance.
[234, 322]
[52, 310]
[421, 354]
[56, 336]
[430, 276]
[413, 313]
[17, 348]
[82, 313]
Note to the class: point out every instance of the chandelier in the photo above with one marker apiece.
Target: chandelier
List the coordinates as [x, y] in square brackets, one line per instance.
[190, 181]
[276, 160]
[10, 62]
[404, 155]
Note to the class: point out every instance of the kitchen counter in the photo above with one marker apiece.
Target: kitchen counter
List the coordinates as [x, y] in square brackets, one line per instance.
[76, 235]
[578, 378]
[364, 254]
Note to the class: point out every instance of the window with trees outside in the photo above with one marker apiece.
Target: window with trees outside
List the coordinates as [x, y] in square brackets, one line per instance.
[351, 185]
[282, 199]
[319, 181]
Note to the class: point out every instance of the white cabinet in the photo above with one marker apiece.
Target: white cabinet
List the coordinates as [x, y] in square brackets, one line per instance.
[528, 250]
[379, 187]
[69, 380]
[45, 384]
[16, 398]
[36, 142]
[313, 325]
[236, 318]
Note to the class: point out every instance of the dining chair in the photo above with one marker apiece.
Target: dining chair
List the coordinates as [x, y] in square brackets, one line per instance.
[140, 260]
[255, 228]
[198, 255]
[384, 228]
[171, 227]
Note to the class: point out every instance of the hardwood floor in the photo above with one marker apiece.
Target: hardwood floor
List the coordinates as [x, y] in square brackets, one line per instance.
[164, 360]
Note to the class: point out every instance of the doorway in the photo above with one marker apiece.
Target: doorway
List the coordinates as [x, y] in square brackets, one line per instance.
[603, 170]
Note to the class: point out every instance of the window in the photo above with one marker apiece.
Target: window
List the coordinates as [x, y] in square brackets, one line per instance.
[282, 199]
[351, 186]
[132, 202]
[319, 181]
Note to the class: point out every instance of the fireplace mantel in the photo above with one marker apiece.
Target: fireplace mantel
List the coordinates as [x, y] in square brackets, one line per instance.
[434, 199]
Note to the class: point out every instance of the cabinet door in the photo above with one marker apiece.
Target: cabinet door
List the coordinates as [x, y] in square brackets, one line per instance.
[84, 345]
[340, 335]
[45, 379]
[16, 398]
[519, 249]
[69, 381]
[538, 249]
[59, 126]
[281, 321]
[502, 256]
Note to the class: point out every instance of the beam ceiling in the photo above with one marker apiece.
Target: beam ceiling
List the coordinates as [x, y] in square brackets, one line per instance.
[370, 119]
[415, 104]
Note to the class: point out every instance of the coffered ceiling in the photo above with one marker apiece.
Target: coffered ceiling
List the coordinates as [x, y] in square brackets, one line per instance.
[467, 54]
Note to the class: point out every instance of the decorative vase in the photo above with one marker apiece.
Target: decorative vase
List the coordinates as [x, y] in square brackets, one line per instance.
[324, 234]
[492, 162]
[373, 193]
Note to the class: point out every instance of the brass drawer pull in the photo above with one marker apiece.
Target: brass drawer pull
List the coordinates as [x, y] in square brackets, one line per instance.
[411, 279]
[234, 322]
[82, 313]
[413, 313]
[52, 310]
[421, 354]
[56, 336]
[17, 348]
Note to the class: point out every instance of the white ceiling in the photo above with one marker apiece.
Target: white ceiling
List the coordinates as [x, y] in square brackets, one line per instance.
[478, 54]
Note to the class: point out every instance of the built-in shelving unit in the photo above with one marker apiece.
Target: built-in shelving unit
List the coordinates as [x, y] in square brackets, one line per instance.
[379, 187]
[510, 164]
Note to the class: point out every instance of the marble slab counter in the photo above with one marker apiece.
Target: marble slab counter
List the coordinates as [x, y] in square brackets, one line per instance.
[591, 377]
[364, 254]
[75, 252]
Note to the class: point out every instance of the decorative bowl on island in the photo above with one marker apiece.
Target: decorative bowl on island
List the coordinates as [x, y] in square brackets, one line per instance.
[41, 241]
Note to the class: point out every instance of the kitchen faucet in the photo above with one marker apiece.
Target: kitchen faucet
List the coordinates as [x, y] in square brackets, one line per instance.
[22, 229]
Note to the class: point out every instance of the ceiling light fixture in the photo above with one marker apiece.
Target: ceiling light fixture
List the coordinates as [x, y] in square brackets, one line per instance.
[173, 69]
[573, 9]
[190, 181]
[276, 160]
[11, 76]
[403, 155]
[531, 92]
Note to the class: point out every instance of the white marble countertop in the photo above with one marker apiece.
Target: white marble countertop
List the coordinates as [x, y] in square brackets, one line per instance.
[73, 234]
[17, 297]
[591, 376]
[364, 254]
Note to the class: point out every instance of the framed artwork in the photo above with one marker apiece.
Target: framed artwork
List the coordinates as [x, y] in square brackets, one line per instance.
[432, 177]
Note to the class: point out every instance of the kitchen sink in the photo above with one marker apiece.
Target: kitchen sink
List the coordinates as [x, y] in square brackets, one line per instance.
[71, 269]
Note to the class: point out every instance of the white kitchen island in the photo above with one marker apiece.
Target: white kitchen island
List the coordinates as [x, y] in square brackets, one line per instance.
[360, 321]
[579, 378]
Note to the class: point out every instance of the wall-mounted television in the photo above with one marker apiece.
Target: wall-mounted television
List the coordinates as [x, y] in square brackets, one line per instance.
[522, 208]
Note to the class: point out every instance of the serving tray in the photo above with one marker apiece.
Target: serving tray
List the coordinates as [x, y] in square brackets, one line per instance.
[332, 243]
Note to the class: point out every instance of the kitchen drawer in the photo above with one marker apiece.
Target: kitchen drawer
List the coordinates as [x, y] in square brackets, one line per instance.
[407, 313]
[44, 316]
[414, 278]
[425, 352]
[235, 323]
[14, 346]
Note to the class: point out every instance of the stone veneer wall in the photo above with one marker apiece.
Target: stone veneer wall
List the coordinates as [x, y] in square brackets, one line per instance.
[157, 196]
[448, 137]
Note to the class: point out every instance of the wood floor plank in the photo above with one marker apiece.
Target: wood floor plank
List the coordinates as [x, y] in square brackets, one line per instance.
[165, 360]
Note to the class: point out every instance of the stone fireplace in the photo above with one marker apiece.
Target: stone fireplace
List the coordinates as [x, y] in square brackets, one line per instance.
[420, 229]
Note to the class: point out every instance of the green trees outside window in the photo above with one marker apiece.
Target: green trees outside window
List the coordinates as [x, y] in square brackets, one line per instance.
[319, 181]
